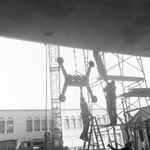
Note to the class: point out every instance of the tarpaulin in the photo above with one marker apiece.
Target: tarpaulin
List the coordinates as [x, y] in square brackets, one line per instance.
[141, 116]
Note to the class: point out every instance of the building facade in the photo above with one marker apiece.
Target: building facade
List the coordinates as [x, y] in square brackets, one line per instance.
[31, 124]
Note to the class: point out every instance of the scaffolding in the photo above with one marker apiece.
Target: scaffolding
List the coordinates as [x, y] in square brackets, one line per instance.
[132, 84]
[131, 99]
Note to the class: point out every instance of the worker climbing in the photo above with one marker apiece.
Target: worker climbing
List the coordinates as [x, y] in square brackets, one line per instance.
[85, 115]
[110, 89]
[111, 97]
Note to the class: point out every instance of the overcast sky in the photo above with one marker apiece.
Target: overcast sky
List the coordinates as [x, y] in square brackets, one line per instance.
[23, 75]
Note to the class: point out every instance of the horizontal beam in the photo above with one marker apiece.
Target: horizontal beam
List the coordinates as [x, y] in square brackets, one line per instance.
[122, 78]
[139, 92]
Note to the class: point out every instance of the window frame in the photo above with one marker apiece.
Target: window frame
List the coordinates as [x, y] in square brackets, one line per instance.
[37, 124]
[10, 125]
[44, 124]
[78, 123]
[72, 123]
[29, 124]
[66, 123]
[2, 125]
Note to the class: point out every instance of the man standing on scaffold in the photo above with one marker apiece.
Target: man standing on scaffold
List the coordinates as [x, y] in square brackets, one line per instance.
[111, 97]
[85, 114]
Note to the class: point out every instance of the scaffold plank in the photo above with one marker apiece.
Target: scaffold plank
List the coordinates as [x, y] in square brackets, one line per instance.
[123, 78]
[138, 92]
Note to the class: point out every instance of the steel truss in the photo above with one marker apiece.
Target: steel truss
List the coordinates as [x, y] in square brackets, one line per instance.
[55, 92]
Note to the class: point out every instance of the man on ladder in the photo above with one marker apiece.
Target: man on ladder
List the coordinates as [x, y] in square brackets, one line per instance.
[110, 89]
[85, 115]
[111, 97]
[91, 133]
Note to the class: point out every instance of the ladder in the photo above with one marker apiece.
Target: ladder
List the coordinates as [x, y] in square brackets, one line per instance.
[109, 129]
[95, 140]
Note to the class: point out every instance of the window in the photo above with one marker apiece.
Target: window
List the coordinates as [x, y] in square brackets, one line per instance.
[44, 124]
[78, 123]
[66, 123]
[29, 124]
[10, 125]
[2, 125]
[72, 123]
[37, 124]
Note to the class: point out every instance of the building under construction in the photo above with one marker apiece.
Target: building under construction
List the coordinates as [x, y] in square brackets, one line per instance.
[118, 28]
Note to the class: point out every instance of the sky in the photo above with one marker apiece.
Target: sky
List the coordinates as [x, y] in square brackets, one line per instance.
[23, 75]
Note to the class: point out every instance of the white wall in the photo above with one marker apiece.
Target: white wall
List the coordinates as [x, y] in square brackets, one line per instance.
[70, 136]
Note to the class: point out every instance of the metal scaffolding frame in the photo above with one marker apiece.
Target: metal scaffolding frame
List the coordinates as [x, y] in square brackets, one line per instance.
[127, 104]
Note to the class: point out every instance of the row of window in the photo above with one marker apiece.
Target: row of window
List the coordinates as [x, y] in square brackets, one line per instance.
[72, 123]
[37, 124]
[41, 125]
[9, 125]
[76, 123]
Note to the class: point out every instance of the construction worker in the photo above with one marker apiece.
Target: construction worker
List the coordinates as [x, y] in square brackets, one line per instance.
[47, 140]
[85, 114]
[111, 97]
